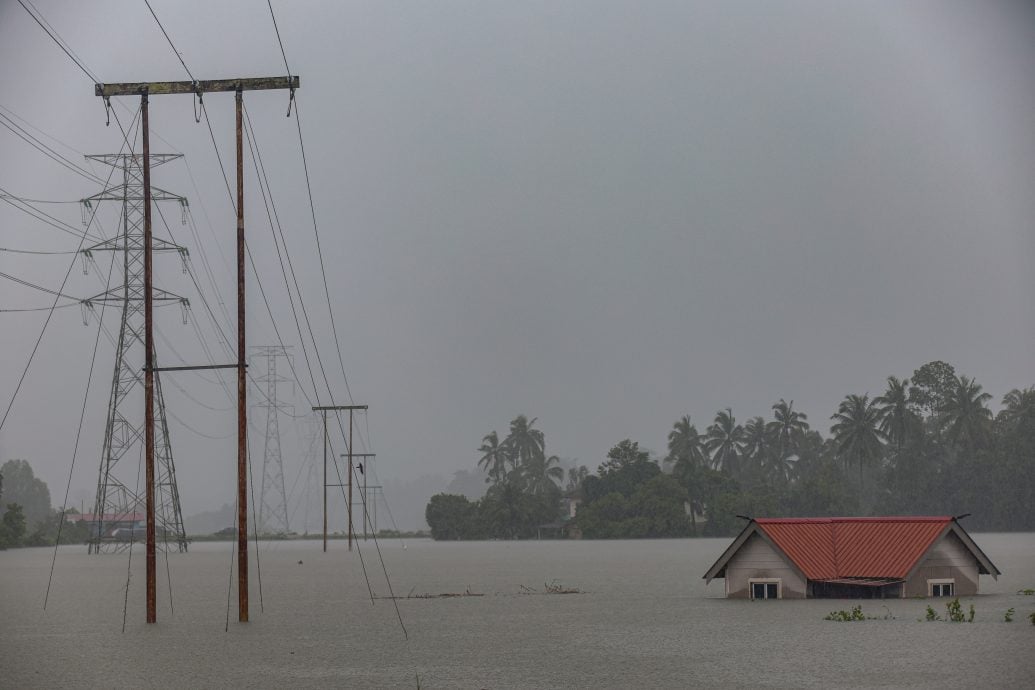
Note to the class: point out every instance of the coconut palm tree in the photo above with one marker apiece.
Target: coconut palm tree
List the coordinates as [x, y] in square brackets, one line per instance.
[494, 458]
[788, 428]
[724, 440]
[523, 443]
[684, 443]
[898, 422]
[576, 475]
[857, 432]
[1017, 405]
[967, 419]
[540, 473]
[687, 456]
[758, 445]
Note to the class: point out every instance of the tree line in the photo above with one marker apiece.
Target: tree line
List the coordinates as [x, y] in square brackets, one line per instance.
[928, 444]
[524, 491]
[27, 517]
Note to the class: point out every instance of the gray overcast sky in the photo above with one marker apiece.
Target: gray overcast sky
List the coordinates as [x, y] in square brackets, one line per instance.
[603, 214]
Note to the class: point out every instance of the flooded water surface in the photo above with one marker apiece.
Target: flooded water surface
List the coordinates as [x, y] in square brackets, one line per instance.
[644, 618]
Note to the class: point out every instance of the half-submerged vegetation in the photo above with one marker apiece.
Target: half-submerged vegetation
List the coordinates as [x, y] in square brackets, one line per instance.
[953, 613]
[856, 614]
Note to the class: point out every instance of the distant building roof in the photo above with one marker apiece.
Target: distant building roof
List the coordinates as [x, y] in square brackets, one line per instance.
[106, 517]
[831, 549]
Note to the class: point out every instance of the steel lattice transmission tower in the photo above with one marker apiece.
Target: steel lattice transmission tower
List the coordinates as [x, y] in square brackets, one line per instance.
[119, 496]
[273, 508]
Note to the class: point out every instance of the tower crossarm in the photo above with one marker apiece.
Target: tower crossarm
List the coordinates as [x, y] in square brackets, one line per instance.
[118, 193]
[118, 295]
[118, 159]
[118, 244]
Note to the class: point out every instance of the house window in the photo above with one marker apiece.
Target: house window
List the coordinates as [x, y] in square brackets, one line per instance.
[765, 589]
[941, 588]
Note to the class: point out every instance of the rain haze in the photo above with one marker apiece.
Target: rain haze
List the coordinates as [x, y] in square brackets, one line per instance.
[605, 215]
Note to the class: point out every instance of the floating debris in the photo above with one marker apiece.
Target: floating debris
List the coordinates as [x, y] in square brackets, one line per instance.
[443, 595]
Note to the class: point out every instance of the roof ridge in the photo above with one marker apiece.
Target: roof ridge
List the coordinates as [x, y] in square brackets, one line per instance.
[832, 520]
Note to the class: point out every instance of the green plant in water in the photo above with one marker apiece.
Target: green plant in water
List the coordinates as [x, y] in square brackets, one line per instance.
[843, 616]
[1026, 592]
[1008, 616]
[1031, 617]
[970, 616]
[955, 611]
[932, 615]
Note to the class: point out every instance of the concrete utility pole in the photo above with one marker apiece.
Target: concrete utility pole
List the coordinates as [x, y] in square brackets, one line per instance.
[324, 409]
[145, 89]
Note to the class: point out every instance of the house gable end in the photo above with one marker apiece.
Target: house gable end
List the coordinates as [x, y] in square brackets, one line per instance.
[719, 568]
[985, 566]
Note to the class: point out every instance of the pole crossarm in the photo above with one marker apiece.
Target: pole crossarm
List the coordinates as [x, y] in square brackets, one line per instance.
[340, 407]
[154, 88]
[203, 367]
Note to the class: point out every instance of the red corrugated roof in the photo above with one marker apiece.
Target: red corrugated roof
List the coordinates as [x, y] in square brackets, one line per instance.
[831, 548]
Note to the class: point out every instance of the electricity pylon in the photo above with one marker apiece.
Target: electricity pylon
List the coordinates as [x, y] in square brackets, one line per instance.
[119, 496]
[273, 510]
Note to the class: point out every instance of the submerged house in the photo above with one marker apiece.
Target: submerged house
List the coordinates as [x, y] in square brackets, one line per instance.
[858, 558]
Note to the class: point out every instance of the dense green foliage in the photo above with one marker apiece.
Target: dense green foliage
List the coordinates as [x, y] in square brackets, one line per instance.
[928, 444]
[21, 486]
[27, 519]
[524, 492]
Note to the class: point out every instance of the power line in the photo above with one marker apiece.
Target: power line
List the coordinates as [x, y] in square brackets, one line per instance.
[25, 200]
[78, 434]
[319, 251]
[48, 219]
[260, 171]
[281, 43]
[31, 251]
[34, 286]
[40, 131]
[60, 306]
[43, 330]
[32, 141]
[59, 42]
[180, 57]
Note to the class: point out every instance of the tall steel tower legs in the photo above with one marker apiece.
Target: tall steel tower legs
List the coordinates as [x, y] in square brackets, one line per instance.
[273, 511]
[119, 504]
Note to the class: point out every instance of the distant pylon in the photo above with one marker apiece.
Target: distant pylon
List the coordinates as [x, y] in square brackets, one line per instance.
[119, 494]
[273, 512]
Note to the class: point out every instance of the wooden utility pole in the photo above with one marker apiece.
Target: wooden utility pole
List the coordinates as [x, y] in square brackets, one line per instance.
[242, 389]
[149, 375]
[351, 457]
[324, 409]
[144, 89]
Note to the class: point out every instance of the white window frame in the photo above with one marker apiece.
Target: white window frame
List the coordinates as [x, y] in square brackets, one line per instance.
[752, 581]
[941, 581]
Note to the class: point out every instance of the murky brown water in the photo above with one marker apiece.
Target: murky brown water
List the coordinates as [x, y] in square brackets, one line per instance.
[647, 620]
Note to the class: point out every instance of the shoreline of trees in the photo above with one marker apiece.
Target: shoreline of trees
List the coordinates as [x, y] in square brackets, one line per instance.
[929, 444]
[27, 517]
